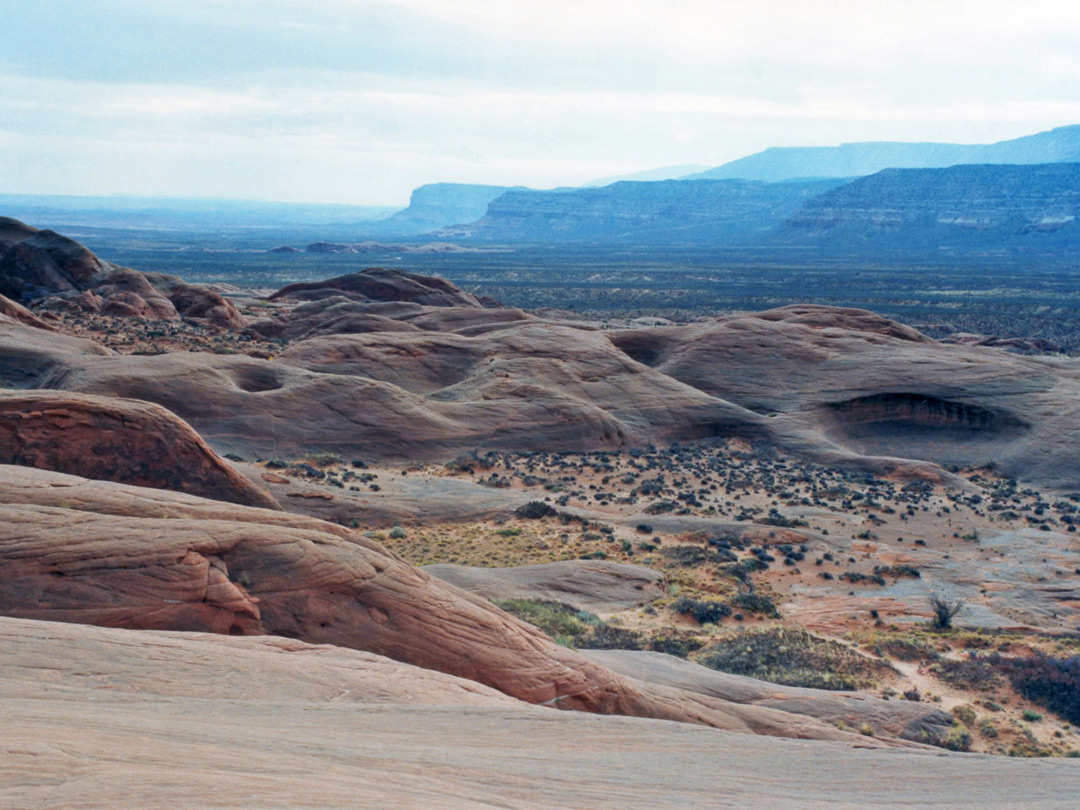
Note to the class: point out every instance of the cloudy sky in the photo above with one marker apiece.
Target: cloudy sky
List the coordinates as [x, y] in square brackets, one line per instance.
[359, 101]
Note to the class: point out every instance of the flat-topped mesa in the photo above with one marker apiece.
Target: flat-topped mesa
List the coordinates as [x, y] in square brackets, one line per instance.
[121, 440]
[383, 284]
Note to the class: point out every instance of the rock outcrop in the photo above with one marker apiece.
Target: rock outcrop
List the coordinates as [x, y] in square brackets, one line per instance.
[120, 440]
[37, 265]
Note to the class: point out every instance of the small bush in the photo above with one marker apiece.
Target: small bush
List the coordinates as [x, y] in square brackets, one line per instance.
[1053, 683]
[705, 612]
[757, 603]
[988, 728]
[944, 610]
[1031, 717]
[534, 510]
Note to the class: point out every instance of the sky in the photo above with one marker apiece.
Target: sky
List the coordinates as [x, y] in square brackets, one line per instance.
[360, 101]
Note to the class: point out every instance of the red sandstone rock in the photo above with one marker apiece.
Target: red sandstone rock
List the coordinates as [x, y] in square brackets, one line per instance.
[119, 440]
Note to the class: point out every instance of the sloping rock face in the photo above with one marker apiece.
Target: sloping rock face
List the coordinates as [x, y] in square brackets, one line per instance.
[191, 720]
[595, 585]
[381, 284]
[919, 722]
[28, 353]
[18, 312]
[120, 440]
[107, 554]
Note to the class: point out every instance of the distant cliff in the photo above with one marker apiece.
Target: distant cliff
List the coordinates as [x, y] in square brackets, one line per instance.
[665, 212]
[438, 205]
[984, 208]
[1061, 145]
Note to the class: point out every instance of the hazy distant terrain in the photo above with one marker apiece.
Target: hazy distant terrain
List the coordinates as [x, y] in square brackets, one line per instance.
[1061, 145]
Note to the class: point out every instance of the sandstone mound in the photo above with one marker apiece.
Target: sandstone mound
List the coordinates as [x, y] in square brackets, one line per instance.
[120, 440]
[12, 231]
[595, 585]
[28, 353]
[45, 265]
[835, 382]
[382, 284]
[46, 262]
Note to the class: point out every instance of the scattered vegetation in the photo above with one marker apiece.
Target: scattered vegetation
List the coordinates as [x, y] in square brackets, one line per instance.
[792, 657]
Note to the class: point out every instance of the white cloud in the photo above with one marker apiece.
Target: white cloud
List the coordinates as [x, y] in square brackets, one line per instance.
[388, 94]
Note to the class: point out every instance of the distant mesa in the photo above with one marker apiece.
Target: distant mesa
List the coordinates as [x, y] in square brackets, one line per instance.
[438, 205]
[1061, 145]
[650, 175]
[284, 249]
[1026, 208]
[666, 212]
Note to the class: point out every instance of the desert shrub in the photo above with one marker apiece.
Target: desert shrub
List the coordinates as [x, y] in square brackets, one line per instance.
[944, 610]
[510, 531]
[534, 510]
[958, 739]
[792, 657]
[906, 649]
[975, 672]
[854, 577]
[705, 612]
[757, 603]
[564, 623]
[965, 714]
[397, 533]
[672, 642]
[1053, 683]
[608, 637]
[898, 571]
